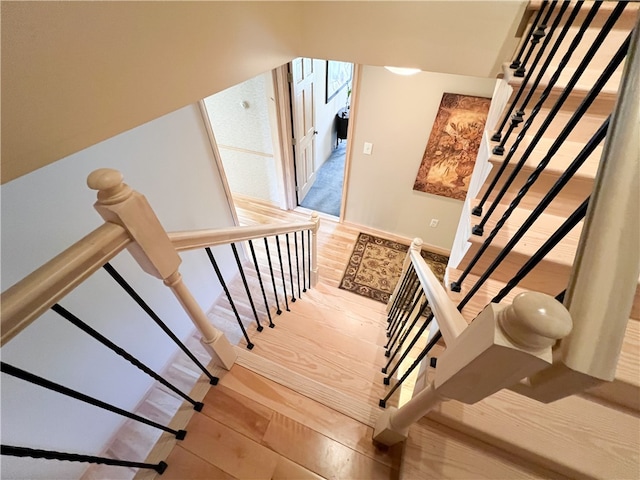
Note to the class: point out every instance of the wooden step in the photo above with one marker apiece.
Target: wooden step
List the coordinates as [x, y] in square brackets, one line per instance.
[566, 202]
[566, 154]
[435, 451]
[551, 275]
[574, 436]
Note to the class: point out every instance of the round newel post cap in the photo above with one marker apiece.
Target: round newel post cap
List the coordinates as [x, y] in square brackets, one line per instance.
[416, 244]
[110, 186]
[535, 320]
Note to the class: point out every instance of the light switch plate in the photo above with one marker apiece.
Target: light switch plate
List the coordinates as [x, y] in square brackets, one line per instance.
[367, 148]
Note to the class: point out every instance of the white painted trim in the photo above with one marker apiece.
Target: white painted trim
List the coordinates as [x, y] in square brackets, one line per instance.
[396, 238]
[285, 134]
[355, 88]
[218, 160]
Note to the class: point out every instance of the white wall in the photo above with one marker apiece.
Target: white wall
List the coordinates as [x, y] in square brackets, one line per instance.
[241, 120]
[396, 114]
[325, 113]
[169, 160]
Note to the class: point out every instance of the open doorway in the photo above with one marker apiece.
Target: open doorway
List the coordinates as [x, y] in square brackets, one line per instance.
[243, 119]
[320, 93]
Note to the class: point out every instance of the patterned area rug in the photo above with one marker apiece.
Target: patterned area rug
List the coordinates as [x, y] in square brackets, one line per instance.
[375, 267]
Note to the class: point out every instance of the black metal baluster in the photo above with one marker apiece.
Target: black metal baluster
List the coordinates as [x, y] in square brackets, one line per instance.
[583, 27]
[399, 294]
[14, 451]
[425, 351]
[404, 311]
[406, 352]
[295, 246]
[575, 218]
[214, 264]
[134, 295]
[478, 229]
[273, 277]
[404, 299]
[544, 203]
[536, 36]
[309, 253]
[49, 385]
[246, 285]
[304, 271]
[575, 118]
[388, 353]
[293, 293]
[393, 341]
[264, 294]
[284, 283]
[518, 117]
[67, 315]
[516, 62]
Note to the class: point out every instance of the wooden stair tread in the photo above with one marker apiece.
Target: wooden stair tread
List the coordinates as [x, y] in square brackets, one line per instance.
[574, 436]
[552, 273]
[560, 161]
[321, 393]
[562, 254]
[582, 86]
[435, 451]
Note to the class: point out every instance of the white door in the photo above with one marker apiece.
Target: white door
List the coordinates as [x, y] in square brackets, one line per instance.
[304, 130]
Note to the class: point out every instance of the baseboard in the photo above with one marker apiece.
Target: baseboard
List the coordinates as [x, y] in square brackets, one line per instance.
[397, 238]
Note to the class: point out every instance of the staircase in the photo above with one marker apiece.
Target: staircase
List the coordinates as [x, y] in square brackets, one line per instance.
[329, 347]
[302, 402]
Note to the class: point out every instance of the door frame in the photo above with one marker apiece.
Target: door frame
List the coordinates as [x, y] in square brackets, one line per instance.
[284, 115]
[285, 133]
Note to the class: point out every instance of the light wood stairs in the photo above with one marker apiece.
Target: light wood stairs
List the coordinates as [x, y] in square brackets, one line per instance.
[317, 377]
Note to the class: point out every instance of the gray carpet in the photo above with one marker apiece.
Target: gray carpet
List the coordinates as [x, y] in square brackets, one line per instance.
[326, 193]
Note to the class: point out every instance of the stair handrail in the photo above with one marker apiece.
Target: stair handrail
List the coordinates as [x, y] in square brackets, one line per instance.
[29, 298]
[448, 317]
[194, 239]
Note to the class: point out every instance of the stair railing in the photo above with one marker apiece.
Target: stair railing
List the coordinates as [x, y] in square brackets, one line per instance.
[581, 341]
[131, 224]
[502, 346]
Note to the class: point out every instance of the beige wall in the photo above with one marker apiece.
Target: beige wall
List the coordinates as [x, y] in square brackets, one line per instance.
[76, 73]
[396, 113]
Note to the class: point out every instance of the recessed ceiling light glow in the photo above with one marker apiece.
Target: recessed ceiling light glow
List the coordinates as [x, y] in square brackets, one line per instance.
[403, 71]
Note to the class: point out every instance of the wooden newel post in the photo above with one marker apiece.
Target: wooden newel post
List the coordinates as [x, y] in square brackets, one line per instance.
[503, 345]
[151, 248]
[416, 245]
[314, 248]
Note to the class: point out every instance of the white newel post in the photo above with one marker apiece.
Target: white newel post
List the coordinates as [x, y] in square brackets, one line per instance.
[315, 218]
[416, 245]
[151, 248]
[499, 348]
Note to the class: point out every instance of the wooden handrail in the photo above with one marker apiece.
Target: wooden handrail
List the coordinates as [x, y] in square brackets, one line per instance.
[194, 239]
[449, 319]
[25, 301]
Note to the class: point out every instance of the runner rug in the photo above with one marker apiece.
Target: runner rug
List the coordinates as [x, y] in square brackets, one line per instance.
[375, 267]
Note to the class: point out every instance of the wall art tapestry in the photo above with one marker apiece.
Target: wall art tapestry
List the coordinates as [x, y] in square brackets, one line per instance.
[448, 160]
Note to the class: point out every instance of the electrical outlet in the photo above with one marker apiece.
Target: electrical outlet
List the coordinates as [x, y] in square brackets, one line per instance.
[434, 222]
